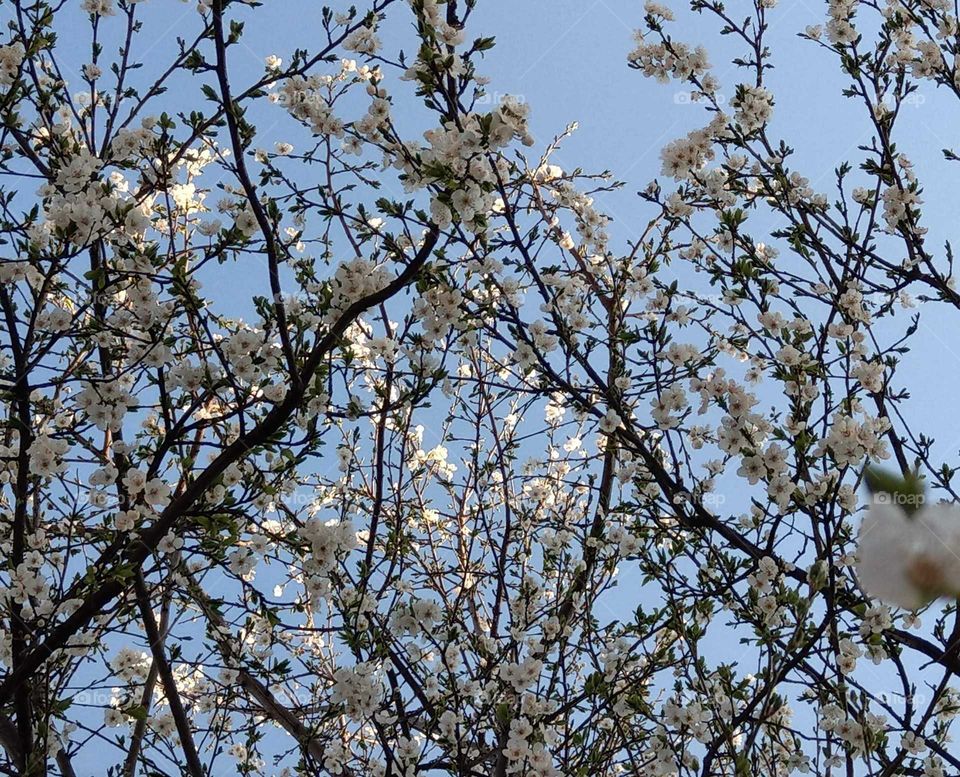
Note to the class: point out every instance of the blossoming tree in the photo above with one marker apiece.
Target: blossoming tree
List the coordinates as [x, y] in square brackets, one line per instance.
[328, 457]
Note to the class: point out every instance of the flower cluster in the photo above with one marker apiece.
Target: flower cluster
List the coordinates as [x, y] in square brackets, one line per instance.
[11, 57]
[358, 689]
[754, 106]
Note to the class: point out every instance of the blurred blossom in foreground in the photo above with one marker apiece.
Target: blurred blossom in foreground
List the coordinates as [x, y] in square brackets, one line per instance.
[910, 560]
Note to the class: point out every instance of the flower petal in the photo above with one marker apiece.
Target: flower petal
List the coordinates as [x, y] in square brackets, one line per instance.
[885, 548]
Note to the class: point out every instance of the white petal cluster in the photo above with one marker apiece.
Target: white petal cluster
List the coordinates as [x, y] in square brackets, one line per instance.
[328, 540]
[99, 7]
[359, 689]
[851, 441]
[305, 100]
[106, 404]
[678, 61]
[754, 107]
[363, 40]
[354, 280]
[11, 57]
[685, 156]
[46, 455]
